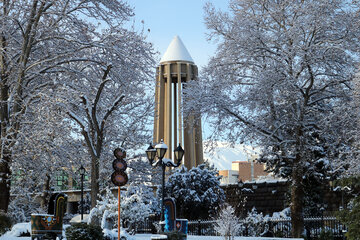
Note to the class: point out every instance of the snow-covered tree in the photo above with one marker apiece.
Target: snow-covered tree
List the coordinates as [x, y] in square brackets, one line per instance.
[141, 172]
[40, 40]
[80, 54]
[282, 71]
[43, 152]
[227, 224]
[113, 109]
[197, 192]
[113, 113]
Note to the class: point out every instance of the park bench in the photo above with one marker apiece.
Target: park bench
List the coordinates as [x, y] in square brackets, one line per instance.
[171, 223]
[50, 225]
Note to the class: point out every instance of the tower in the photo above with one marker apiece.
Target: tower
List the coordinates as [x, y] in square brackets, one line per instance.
[176, 67]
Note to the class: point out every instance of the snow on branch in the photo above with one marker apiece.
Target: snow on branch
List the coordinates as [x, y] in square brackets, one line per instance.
[252, 125]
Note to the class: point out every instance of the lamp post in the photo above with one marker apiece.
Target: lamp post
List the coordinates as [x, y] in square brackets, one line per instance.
[82, 173]
[159, 152]
[240, 184]
[322, 207]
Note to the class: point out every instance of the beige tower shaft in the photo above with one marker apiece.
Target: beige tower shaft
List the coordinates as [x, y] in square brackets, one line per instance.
[176, 68]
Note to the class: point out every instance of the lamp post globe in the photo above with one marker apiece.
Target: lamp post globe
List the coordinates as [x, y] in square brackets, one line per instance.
[151, 153]
[240, 183]
[161, 149]
[179, 153]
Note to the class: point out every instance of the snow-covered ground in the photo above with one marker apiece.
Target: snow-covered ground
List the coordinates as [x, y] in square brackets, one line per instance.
[24, 227]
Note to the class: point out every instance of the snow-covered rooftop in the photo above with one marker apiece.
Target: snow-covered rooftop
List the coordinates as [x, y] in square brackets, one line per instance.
[176, 52]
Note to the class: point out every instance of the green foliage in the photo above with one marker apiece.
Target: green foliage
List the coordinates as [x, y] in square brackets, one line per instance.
[326, 235]
[5, 223]
[175, 235]
[352, 181]
[351, 219]
[83, 231]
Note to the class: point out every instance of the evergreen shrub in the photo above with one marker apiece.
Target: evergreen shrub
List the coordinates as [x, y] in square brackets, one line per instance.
[326, 235]
[351, 219]
[83, 231]
[175, 235]
[5, 223]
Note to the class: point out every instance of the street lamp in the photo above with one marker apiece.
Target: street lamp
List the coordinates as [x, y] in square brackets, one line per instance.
[82, 173]
[240, 184]
[159, 152]
[322, 207]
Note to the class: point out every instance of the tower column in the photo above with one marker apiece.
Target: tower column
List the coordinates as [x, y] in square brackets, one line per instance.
[168, 112]
[179, 128]
[176, 67]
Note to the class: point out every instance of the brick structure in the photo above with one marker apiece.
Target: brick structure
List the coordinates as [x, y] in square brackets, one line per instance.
[269, 197]
[248, 170]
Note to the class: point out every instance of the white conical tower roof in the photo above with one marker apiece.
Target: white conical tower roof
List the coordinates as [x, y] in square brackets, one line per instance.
[176, 52]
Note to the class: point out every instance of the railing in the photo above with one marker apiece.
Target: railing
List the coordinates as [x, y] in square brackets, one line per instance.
[279, 227]
[313, 226]
[202, 228]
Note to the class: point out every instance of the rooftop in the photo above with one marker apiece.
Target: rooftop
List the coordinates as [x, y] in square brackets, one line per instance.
[176, 52]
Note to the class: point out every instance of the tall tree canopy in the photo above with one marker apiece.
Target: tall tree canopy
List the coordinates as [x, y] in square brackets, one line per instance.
[80, 55]
[281, 73]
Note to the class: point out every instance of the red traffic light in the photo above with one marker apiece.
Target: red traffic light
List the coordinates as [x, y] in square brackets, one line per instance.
[119, 165]
[119, 178]
[119, 153]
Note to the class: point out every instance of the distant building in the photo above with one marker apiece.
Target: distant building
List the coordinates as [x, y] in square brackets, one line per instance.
[248, 170]
[244, 171]
[228, 176]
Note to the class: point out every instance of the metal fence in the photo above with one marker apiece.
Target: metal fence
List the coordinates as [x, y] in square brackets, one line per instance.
[278, 227]
[313, 226]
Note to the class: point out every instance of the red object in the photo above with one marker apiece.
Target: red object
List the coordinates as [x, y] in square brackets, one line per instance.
[119, 213]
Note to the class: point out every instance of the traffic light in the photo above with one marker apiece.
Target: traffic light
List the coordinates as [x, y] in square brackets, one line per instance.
[119, 177]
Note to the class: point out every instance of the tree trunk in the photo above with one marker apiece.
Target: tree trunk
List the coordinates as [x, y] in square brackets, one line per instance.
[5, 175]
[297, 189]
[94, 180]
[45, 193]
[297, 201]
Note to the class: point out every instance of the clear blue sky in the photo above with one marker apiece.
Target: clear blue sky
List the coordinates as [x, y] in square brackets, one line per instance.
[185, 18]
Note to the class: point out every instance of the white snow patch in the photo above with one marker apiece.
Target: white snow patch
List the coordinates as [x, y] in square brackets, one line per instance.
[176, 52]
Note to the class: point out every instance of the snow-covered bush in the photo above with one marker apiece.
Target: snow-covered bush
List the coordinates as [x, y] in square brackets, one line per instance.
[5, 223]
[137, 203]
[83, 231]
[227, 224]
[106, 210]
[280, 224]
[197, 192]
[22, 206]
[254, 223]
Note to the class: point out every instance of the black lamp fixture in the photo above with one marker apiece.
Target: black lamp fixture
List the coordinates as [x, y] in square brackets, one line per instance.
[240, 184]
[82, 170]
[161, 149]
[179, 153]
[151, 153]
